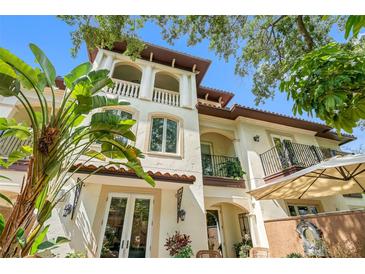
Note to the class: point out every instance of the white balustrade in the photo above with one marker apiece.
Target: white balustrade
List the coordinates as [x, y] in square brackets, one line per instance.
[10, 144]
[129, 89]
[124, 88]
[166, 97]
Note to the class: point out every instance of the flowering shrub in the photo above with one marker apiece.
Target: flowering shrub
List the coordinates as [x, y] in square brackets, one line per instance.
[178, 245]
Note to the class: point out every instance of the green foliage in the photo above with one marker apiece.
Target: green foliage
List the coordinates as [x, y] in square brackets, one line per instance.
[330, 82]
[232, 168]
[2, 223]
[76, 254]
[58, 138]
[6, 199]
[242, 249]
[294, 255]
[103, 31]
[354, 24]
[185, 252]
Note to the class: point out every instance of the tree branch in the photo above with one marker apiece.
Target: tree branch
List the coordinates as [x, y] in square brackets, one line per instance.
[302, 29]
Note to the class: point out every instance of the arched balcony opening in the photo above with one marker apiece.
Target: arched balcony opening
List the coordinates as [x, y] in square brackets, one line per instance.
[219, 157]
[127, 73]
[166, 89]
[127, 79]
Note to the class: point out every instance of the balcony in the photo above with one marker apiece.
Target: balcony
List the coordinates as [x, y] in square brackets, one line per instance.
[287, 157]
[129, 82]
[124, 88]
[10, 144]
[167, 97]
[219, 170]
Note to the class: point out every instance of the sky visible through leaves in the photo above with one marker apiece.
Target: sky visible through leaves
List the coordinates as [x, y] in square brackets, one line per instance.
[52, 36]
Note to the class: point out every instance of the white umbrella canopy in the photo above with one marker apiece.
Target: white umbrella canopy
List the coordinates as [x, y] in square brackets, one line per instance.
[338, 175]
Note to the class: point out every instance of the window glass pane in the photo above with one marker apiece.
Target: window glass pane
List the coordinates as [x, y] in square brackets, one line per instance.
[138, 241]
[157, 132]
[292, 210]
[114, 228]
[171, 136]
[303, 210]
[313, 210]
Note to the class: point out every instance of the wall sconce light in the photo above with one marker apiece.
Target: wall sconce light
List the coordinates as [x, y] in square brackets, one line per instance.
[256, 138]
[67, 210]
[182, 214]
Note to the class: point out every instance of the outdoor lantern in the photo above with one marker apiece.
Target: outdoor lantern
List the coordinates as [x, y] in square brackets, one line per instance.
[256, 138]
[67, 210]
[182, 214]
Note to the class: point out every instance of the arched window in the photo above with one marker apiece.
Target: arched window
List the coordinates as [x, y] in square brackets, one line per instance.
[164, 80]
[164, 135]
[127, 73]
[124, 115]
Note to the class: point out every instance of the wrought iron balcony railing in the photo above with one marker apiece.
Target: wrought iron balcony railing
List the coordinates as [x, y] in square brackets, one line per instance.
[221, 166]
[288, 154]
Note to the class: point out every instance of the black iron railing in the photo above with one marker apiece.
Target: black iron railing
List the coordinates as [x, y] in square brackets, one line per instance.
[221, 166]
[288, 154]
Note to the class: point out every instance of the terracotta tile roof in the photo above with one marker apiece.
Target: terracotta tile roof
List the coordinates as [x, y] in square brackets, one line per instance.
[242, 111]
[157, 175]
[165, 56]
[22, 165]
[215, 94]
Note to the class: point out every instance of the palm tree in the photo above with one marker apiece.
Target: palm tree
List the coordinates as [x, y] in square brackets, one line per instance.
[60, 136]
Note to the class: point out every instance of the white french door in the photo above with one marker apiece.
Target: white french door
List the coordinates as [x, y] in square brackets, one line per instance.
[127, 226]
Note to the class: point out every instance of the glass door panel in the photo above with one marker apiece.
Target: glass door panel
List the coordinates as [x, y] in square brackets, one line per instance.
[207, 161]
[114, 228]
[140, 224]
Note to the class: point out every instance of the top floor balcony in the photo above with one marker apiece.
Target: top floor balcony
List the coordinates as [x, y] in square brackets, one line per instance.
[155, 83]
[287, 157]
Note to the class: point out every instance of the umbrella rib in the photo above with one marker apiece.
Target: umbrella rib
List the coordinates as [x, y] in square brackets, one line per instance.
[358, 173]
[311, 184]
[324, 176]
[353, 172]
[340, 170]
[358, 184]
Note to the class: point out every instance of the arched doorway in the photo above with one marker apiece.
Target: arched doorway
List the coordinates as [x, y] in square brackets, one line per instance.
[227, 227]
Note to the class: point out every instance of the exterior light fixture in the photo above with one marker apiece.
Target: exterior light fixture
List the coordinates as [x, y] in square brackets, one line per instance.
[67, 210]
[256, 138]
[181, 214]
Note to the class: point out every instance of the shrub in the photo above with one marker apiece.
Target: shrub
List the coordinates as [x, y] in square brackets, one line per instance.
[294, 255]
[76, 254]
[178, 245]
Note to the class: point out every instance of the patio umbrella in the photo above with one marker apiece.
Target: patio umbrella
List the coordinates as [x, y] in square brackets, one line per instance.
[338, 175]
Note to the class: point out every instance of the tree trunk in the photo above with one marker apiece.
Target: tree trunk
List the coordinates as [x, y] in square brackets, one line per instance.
[21, 216]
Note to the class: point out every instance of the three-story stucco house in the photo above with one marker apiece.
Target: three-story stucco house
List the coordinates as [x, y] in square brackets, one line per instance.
[195, 148]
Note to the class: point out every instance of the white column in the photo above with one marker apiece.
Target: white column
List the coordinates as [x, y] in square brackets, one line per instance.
[251, 175]
[108, 62]
[98, 59]
[194, 94]
[146, 89]
[185, 92]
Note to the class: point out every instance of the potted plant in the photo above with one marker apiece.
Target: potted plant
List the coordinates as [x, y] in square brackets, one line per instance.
[178, 245]
[242, 248]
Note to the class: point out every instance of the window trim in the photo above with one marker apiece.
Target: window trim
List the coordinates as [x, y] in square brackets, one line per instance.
[178, 137]
[295, 202]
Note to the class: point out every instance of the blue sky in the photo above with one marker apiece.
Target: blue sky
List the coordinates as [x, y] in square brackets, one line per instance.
[53, 36]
